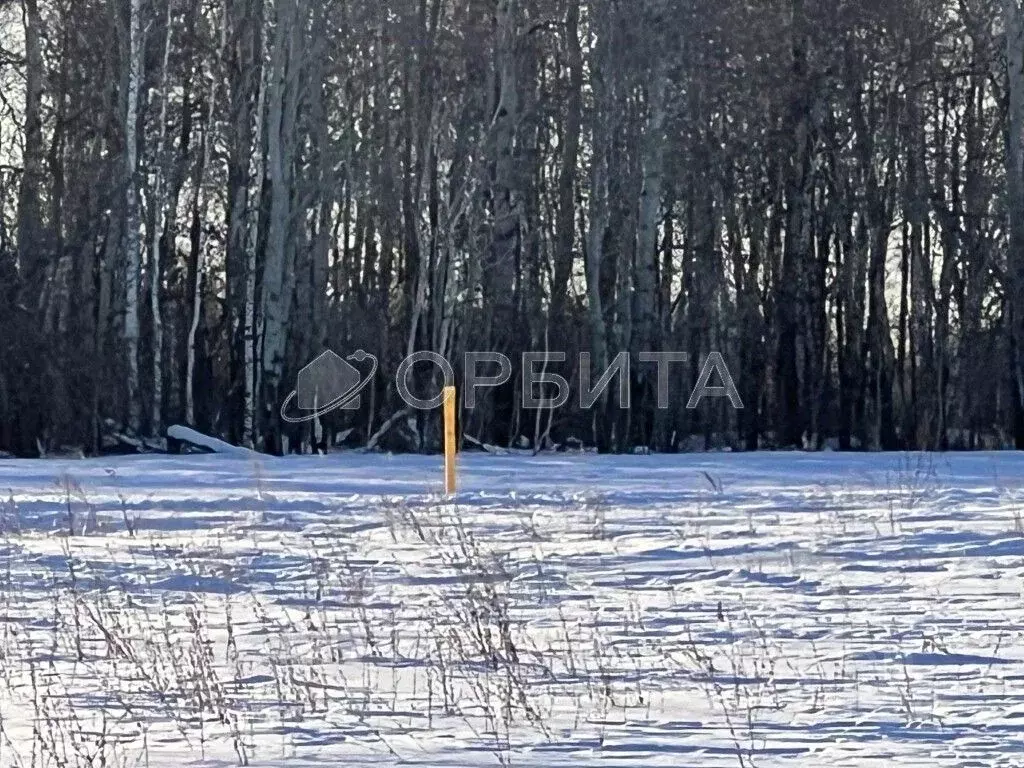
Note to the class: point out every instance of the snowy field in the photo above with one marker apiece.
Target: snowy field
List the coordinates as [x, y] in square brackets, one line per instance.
[692, 610]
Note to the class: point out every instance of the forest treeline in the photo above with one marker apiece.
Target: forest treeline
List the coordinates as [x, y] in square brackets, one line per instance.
[197, 197]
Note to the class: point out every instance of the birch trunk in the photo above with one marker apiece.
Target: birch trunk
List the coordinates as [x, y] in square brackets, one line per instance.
[565, 233]
[646, 270]
[598, 216]
[278, 273]
[244, 22]
[132, 244]
[597, 226]
[159, 223]
[249, 424]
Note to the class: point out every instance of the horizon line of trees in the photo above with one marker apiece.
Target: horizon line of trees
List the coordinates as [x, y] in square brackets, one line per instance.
[198, 197]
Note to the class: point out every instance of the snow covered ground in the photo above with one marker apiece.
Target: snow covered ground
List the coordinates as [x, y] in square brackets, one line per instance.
[692, 610]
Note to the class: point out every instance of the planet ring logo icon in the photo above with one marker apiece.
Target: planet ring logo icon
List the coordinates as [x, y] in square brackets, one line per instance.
[328, 383]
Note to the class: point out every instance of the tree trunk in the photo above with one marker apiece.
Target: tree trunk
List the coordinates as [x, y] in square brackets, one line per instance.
[199, 254]
[29, 225]
[1014, 20]
[500, 276]
[796, 256]
[570, 143]
[250, 423]
[645, 320]
[597, 226]
[132, 245]
[159, 195]
[278, 272]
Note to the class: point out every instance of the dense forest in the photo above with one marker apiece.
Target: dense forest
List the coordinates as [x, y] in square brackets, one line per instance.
[197, 197]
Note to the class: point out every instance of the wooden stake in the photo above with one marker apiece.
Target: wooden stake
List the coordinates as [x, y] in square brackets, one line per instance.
[449, 440]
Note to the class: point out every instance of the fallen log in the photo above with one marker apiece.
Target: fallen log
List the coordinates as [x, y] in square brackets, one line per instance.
[371, 444]
[495, 449]
[183, 434]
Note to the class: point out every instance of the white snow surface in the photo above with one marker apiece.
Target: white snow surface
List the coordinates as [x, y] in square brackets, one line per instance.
[688, 610]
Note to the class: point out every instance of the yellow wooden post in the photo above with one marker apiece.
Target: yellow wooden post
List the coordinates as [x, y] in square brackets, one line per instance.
[449, 440]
